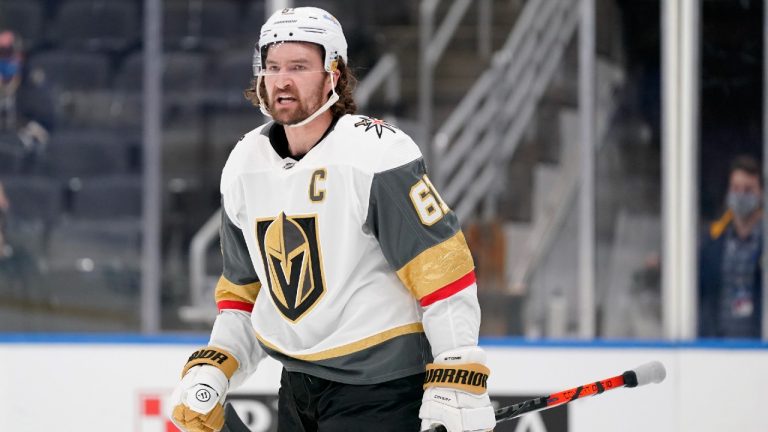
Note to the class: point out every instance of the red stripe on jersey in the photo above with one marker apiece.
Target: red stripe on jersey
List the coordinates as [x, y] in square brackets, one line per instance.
[231, 304]
[449, 290]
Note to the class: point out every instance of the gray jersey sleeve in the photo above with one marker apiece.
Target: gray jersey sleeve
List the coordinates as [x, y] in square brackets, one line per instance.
[236, 292]
[418, 234]
[238, 285]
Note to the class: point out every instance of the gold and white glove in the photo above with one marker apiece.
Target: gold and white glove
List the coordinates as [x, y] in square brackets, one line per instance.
[197, 400]
[456, 392]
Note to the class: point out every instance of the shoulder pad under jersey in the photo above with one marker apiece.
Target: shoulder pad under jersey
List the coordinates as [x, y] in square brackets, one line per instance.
[378, 144]
[242, 154]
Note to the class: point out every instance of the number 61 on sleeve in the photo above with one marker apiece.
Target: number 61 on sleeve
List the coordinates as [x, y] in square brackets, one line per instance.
[428, 204]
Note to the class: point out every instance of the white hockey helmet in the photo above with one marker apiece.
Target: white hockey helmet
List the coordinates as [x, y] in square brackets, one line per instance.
[302, 24]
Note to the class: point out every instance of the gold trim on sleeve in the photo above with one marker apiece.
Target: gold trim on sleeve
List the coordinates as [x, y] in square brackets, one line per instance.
[227, 290]
[437, 266]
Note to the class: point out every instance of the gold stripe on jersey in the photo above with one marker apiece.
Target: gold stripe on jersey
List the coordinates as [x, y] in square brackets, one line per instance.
[229, 291]
[437, 266]
[353, 347]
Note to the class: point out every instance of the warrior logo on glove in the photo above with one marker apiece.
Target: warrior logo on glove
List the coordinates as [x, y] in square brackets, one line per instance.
[292, 260]
[203, 395]
[212, 355]
[472, 378]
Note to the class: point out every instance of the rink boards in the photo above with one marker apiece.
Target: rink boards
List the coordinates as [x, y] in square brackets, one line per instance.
[121, 383]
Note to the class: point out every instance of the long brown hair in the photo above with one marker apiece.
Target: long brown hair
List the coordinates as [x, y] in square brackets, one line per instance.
[346, 85]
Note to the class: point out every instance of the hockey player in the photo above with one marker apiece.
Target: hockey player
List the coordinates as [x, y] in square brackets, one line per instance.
[340, 260]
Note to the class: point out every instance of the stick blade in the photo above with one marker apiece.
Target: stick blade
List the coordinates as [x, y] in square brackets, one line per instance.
[652, 372]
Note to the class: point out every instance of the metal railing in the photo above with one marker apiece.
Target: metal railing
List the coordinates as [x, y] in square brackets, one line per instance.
[201, 285]
[481, 135]
[385, 74]
[564, 192]
[433, 44]
[483, 132]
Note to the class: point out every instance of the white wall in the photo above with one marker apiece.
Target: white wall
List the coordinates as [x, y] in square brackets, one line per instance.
[97, 387]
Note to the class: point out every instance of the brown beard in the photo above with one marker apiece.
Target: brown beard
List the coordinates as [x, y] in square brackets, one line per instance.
[289, 117]
[298, 114]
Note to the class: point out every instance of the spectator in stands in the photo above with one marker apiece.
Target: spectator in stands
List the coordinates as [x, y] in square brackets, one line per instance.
[26, 102]
[730, 291]
[10, 77]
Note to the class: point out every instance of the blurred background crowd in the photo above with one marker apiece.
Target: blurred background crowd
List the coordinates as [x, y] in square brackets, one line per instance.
[71, 154]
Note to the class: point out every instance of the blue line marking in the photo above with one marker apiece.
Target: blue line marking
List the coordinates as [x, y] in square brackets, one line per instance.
[105, 338]
[491, 342]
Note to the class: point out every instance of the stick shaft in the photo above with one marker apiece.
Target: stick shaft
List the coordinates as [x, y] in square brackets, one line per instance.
[559, 398]
[232, 422]
[555, 399]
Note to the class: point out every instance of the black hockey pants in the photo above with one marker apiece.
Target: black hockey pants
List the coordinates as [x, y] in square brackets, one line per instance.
[311, 404]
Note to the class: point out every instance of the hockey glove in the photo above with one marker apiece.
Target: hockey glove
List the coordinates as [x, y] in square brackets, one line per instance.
[197, 400]
[456, 392]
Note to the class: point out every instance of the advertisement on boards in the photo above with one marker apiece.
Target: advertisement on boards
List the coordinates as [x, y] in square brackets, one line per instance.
[259, 413]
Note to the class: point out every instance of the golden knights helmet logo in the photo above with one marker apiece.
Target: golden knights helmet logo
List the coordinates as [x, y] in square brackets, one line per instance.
[293, 263]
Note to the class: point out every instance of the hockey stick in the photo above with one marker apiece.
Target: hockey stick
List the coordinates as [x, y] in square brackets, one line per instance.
[232, 422]
[652, 372]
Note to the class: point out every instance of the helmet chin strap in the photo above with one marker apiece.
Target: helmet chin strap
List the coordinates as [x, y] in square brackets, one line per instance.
[331, 100]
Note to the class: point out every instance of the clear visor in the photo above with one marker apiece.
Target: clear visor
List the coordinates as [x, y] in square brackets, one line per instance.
[262, 69]
[287, 73]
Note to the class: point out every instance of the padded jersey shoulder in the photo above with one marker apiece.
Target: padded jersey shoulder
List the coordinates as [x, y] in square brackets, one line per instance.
[250, 151]
[373, 145]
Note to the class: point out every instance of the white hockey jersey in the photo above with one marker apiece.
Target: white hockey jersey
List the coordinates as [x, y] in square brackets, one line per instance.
[340, 256]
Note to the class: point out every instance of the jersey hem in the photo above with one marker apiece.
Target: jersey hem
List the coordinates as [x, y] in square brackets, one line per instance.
[349, 348]
[368, 381]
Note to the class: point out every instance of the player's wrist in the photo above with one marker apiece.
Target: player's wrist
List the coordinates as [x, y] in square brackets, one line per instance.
[215, 357]
[462, 368]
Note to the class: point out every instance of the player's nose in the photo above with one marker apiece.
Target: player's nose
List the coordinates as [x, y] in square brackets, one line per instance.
[283, 81]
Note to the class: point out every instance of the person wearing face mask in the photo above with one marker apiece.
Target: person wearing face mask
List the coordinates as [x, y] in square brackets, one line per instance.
[730, 291]
[10, 77]
[26, 100]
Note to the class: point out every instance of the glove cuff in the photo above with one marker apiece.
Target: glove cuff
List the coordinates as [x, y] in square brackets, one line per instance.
[461, 369]
[468, 377]
[213, 356]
